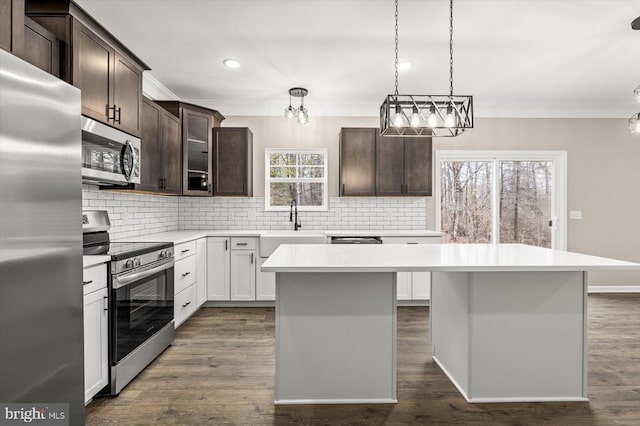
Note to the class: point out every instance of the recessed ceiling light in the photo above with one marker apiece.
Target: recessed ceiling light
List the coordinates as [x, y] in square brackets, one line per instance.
[403, 66]
[231, 63]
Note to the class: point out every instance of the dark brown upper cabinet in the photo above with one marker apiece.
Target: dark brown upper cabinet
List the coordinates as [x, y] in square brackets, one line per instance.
[108, 74]
[233, 161]
[403, 166]
[111, 85]
[12, 26]
[161, 150]
[371, 165]
[41, 47]
[196, 141]
[358, 162]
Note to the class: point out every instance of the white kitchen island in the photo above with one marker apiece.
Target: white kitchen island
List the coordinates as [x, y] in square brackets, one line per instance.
[508, 321]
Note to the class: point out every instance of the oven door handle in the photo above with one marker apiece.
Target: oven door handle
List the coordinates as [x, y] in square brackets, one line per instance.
[128, 279]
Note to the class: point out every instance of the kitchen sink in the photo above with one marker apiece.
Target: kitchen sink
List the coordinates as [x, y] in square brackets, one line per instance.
[270, 240]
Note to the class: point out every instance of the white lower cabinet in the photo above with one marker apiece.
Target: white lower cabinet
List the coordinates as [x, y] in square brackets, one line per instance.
[231, 268]
[218, 264]
[243, 275]
[265, 283]
[96, 330]
[403, 285]
[243, 269]
[201, 275]
[185, 282]
[185, 304]
[413, 285]
[421, 285]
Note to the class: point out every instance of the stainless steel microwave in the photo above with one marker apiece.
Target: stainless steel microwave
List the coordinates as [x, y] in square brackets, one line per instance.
[109, 156]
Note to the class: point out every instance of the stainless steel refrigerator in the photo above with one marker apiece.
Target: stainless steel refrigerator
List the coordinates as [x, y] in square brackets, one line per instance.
[41, 327]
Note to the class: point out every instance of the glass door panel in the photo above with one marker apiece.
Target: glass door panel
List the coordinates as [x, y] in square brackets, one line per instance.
[466, 193]
[525, 202]
[198, 158]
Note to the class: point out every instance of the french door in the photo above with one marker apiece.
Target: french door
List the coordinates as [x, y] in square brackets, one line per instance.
[502, 197]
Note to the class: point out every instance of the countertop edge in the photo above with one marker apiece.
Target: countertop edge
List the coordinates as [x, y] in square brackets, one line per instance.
[88, 261]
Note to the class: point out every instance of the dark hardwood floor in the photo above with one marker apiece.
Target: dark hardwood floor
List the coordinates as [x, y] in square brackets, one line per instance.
[220, 370]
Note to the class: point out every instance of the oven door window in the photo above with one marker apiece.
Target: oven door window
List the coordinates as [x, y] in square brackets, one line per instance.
[141, 309]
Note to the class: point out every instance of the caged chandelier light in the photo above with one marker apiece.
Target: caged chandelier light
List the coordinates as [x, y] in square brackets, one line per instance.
[301, 114]
[426, 115]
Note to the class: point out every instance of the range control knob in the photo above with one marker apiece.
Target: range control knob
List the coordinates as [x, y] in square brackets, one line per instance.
[163, 254]
[136, 262]
[129, 264]
[169, 252]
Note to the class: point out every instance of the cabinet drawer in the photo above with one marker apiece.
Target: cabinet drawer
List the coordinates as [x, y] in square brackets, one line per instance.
[184, 250]
[94, 278]
[185, 304]
[243, 243]
[185, 273]
[411, 240]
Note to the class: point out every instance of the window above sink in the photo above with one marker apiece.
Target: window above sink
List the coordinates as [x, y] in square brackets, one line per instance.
[300, 174]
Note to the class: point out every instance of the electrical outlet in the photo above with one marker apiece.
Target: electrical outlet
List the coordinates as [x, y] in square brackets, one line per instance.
[575, 214]
[125, 217]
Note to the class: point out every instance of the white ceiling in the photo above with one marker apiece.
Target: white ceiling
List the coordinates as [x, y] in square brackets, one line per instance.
[518, 58]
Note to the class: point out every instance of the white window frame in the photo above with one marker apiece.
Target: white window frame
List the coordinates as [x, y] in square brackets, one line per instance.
[268, 179]
[558, 200]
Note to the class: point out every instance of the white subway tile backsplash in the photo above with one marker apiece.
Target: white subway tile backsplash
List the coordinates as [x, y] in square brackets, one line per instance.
[139, 214]
[344, 213]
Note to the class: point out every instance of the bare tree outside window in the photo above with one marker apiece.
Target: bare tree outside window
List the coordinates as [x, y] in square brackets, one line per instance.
[466, 201]
[525, 202]
[524, 194]
[296, 174]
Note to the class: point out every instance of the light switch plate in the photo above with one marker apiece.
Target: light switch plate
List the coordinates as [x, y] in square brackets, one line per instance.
[575, 214]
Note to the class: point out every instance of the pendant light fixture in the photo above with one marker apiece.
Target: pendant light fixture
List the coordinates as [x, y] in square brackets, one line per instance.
[426, 115]
[634, 121]
[300, 113]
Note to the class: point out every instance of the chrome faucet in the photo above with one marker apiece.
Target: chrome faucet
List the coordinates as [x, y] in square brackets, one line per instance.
[296, 225]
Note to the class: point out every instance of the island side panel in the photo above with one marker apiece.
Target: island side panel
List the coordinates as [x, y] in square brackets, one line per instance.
[528, 339]
[335, 338]
[449, 313]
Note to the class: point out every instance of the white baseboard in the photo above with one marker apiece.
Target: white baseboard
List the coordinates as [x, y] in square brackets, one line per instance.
[614, 289]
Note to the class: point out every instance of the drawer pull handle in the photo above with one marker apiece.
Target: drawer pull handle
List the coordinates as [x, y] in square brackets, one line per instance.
[226, 245]
[185, 251]
[186, 304]
[242, 244]
[87, 282]
[106, 304]
[186, 273]
[412, 243]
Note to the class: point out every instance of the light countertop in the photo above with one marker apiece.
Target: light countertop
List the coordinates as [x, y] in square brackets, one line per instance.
[179, 237]
[433, 257]
[88, 261]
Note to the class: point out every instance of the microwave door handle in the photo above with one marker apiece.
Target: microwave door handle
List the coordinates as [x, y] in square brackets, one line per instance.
[127, 171]
[128, 279]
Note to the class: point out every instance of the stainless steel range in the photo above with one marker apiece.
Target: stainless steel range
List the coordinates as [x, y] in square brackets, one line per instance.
[141, 293]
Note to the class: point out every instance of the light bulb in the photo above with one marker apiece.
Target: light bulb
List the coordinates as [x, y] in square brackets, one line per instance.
[415, 118]
[398, 119]
[289, 112]
[450, 121]
[303, 115]
[432, 121]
